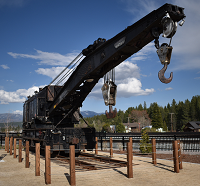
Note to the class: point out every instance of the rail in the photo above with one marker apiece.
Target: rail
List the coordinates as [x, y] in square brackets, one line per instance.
[189, 140]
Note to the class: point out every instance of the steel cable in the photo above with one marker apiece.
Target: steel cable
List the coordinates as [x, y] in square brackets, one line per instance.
[66, 68]
[68, 72]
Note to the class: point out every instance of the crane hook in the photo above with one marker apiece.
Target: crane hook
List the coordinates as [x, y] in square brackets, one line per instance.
[161, 75]
[112, 113]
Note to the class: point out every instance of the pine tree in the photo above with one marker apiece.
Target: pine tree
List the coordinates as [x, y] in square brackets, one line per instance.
[193, 109]
[173, 110]
[156, 120]
[126, 114]
[145, 105]
[145, 145]
[164, 126]
[167, 118]
[140, 107]
[120, 128]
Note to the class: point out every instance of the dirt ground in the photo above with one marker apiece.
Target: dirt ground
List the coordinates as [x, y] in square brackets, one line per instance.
[144, 173]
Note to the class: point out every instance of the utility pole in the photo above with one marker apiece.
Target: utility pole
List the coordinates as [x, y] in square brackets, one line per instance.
[171, 122]
[128, 123]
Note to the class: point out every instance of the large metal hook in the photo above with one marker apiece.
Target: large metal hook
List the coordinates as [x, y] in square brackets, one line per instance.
[162, 77]
[111, 113]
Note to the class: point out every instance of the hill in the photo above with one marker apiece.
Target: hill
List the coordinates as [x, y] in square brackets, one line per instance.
[88, 113]
[10, 117]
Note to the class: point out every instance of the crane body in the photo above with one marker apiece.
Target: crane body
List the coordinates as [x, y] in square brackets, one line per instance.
[49, 115]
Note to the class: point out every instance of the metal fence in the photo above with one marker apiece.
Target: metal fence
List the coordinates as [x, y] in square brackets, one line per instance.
[190, 141]
[3, 135]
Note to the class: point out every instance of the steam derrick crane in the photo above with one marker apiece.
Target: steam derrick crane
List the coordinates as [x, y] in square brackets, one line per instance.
[50, 115]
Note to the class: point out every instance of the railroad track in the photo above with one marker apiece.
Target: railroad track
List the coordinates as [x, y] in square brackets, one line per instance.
[93, 162]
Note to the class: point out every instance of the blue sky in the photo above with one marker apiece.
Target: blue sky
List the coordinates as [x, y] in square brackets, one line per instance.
[38, 38]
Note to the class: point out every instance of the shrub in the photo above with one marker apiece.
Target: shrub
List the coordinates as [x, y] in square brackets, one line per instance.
[145, 145]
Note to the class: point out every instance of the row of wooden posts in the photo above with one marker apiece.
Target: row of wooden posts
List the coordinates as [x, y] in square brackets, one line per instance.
[37, 156]
[176, 156]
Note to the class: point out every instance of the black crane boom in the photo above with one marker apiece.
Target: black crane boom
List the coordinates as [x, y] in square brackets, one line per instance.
[110, 54]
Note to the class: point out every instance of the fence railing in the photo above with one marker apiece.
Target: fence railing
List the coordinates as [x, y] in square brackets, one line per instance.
[190, 141]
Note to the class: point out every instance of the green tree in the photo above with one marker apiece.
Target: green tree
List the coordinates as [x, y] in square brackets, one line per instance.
[140, 107]
[145, 105]
[164, 126]
[173, 110]
[120, 128]
[3, 129]
[156, 120]
[166, 118]
[182, 114]
[106, 128]
[145, 145]
[127, 113]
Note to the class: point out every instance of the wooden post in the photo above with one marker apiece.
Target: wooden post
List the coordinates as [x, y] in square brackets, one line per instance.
[96, 146]
[7, 145]
[175, 155]
[15, 156]
[27, 155]
[111, 147]
[179, 155]
[131, 141]
[72, 165]
[47, 165]
[129, 161]
[153, 141]
[20, 150]
[37, 159]
[11, 145]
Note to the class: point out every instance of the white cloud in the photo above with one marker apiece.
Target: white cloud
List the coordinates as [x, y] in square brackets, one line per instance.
[47, 58]
[127, 81]
[125, 70]
[18, 96]
[132, 87]
[143, 54]
[5, 67]
[169, 88]
[18, 112]
[10, 80]
[54, 72]
[50, 72]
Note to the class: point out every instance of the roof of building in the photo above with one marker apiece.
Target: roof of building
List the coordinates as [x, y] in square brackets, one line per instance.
[193, 125]
[131, 125]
